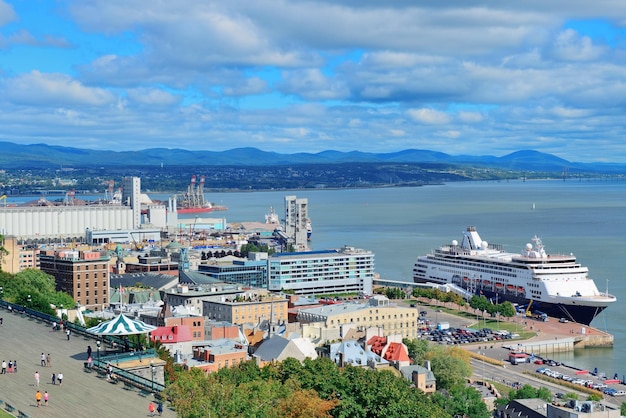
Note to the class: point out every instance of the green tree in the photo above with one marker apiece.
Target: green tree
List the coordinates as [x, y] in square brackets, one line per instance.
[622, 409]
[450, 366]
[417, 349]
[462, 401]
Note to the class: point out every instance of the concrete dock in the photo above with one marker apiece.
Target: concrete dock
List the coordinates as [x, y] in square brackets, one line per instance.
[82, 394]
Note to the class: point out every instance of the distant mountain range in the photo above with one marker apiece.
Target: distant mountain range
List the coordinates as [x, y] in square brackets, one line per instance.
[46, 156]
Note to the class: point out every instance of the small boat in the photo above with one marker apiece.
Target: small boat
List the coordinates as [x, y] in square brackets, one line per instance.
[520, 289]
[499, 285]
[510, 287]
[466, 279]
[487, 283]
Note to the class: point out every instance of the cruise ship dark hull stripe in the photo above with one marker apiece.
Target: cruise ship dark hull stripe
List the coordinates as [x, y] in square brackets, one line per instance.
[580, 314]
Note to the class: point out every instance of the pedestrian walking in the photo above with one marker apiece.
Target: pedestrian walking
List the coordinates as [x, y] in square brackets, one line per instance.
[88, 351]
[45, 398]
[151, 409]
[159, 408]
[43, 360]
[38, 398]
[54, 378]
[1, 320]
[60, 379]
[4, 367]
[68, 332]
[37, 379]
[10, 366]
[48, 360]
[14, 366]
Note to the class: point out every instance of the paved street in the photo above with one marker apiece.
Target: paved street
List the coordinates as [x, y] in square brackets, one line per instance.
[82, 394]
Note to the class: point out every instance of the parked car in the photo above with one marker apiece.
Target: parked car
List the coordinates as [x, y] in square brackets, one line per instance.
[563, 320]
[619, 393]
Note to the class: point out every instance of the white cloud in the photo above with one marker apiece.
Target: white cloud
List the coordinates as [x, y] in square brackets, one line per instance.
[36, 88]
[429, 116]
[570, 46]
[152, 96]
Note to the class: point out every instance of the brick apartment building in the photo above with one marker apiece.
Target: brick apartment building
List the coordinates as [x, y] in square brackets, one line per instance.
[82, 274]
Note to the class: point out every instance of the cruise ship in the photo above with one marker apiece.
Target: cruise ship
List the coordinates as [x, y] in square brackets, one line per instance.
[551, 283]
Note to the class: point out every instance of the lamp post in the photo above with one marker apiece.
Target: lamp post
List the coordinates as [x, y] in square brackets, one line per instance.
[1, 292]
[98, 350]
[28, 300]
[152, 375]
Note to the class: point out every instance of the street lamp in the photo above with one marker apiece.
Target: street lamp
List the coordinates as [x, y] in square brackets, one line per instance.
[152, 375]
[98, 349]
[28, 299]
[1, 292]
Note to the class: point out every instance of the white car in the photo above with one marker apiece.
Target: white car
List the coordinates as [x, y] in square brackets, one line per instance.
[619, 393]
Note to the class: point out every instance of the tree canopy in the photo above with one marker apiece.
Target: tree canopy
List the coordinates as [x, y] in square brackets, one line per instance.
[35, 289]
[314, 388]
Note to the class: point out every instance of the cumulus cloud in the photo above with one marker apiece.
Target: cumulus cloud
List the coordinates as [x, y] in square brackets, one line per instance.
[152, 96]
[429, 116]
[570, 46]
[450, 76]
[36, 88]
[312, 84]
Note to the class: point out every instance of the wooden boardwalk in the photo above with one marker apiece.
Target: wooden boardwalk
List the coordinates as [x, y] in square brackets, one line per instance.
[82, 394]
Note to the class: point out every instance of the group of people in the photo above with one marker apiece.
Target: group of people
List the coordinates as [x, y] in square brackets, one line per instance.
[10, 367]
[38, 398]
[57, 378]
[45, 360]
[158, 408]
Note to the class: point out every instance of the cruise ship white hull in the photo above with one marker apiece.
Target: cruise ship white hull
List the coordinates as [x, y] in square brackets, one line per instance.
[556, 284]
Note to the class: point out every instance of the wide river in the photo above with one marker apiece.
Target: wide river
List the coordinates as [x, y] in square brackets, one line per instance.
[586, 218]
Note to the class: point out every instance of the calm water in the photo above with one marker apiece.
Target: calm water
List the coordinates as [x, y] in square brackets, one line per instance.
[586, 218]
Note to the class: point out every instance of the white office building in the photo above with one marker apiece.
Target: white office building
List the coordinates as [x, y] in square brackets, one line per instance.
[346, 270]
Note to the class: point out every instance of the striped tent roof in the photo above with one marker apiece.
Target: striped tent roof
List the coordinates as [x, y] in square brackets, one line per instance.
[121, 325]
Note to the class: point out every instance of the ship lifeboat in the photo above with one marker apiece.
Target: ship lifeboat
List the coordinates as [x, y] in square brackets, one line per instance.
[510, 287]
[499, 286]
[487, 283]
[466, 279]
[520, 289]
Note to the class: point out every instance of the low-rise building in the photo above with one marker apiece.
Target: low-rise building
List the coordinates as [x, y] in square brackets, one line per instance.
[212, 356]
[246, 307]
[378, 311]
[192, 297]
[421, 377]
[177, 339]
[278, 348]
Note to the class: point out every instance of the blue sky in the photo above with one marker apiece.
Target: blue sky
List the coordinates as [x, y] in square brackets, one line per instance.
[461, 77]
